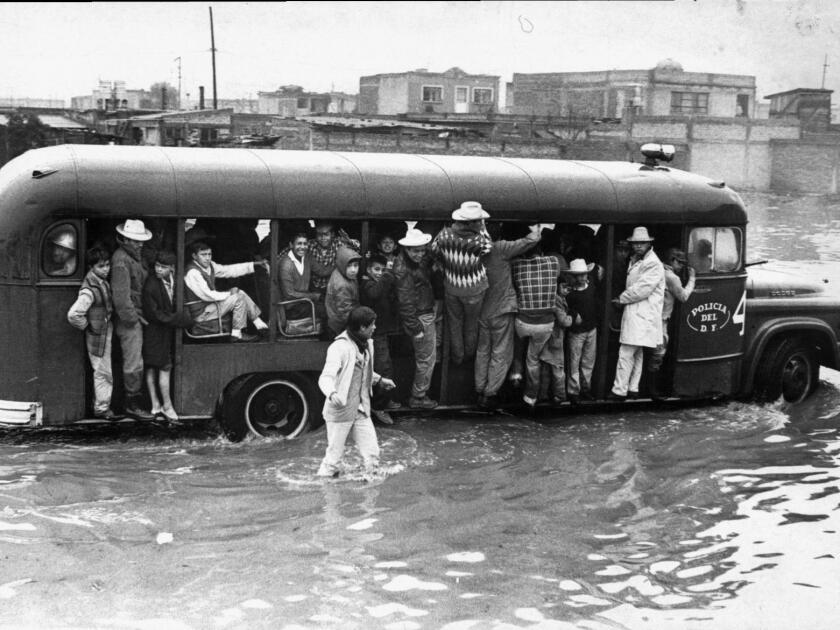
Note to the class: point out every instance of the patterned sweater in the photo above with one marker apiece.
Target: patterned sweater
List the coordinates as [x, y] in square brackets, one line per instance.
[461, 251]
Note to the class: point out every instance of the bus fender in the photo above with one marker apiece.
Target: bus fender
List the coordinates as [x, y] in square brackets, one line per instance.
[773, 330]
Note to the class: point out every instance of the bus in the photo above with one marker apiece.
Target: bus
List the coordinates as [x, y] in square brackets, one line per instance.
[743, 332]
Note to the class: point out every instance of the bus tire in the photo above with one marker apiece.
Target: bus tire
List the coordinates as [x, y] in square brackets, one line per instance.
[270, 405]
[789, 369]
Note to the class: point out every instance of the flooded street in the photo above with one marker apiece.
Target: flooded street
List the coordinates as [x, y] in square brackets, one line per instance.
[714, 517]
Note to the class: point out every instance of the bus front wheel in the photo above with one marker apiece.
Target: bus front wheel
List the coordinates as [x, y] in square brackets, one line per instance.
[270, 405]
[789, 369]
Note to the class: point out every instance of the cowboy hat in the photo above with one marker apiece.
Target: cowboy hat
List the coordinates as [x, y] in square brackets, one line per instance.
[640, 235]
[66, 240]
[470, 211]
[579, 266]
[415, 238]
[133, 229]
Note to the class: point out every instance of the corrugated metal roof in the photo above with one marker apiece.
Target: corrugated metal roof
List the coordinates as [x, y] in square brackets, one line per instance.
[60, 122]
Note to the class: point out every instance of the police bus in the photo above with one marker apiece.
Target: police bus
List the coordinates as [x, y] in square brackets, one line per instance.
[743, 332]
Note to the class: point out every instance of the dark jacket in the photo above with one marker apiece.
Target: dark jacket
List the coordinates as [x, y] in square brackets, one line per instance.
[162, 317]
[127, 278]
[381, 296]
[342, 293]
[414, 291]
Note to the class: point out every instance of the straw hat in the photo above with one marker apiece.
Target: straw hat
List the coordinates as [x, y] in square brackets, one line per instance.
[134, 230]
[640, 235]
[579, 266]
[66, 240]
[470, 211]
[415, 238]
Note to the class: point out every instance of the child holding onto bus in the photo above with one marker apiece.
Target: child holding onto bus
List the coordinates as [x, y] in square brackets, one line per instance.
[582, 337]
[159, 311]
[553, 353]
[92, 313]
[379, 293]
[342, 289]
[347, 381]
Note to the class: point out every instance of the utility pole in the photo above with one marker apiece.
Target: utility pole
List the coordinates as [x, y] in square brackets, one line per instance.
[180, 105]
[825, 65]
[213, 52]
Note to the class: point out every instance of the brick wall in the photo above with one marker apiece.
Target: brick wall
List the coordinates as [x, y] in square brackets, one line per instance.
[809, 166]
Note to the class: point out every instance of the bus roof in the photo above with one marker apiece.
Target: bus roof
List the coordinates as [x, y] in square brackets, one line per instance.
[124, 181]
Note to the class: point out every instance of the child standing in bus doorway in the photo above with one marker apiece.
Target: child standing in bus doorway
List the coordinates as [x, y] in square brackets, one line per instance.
[582, 338]
[460, 250]
[342, 289]
[159, 310]
[347, 381]
[92, 312]
[127, 278]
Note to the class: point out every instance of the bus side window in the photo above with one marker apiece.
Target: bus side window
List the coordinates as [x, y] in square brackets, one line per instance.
[59, 251]
[714, 249]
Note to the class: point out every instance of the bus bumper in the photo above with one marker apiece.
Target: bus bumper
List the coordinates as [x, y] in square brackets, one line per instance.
[15, 413]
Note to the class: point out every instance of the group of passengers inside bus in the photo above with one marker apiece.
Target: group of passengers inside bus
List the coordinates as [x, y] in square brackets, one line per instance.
[523, 304]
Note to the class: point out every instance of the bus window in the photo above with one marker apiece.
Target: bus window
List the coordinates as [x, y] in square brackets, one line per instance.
[59, 251]
[713, 250]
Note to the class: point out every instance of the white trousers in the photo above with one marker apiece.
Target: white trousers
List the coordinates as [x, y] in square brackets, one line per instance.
[364, 435]
[628, 371]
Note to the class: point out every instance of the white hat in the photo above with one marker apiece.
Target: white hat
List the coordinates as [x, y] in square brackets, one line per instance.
[415, 238]
[66, 240]
[578, 265]
[135, 230]
[640, 235]
[470, 211]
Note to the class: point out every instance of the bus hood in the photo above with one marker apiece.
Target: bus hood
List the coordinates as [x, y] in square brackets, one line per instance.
[775, 282]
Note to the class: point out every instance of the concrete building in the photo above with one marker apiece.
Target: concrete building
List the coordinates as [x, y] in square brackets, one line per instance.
[812, 107]
[111, 95]
[291, 100]
[183, 128]
[47, 103]
[666, 90]
[423, 92]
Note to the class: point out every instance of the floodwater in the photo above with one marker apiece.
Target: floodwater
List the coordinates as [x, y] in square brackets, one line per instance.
[714, 517]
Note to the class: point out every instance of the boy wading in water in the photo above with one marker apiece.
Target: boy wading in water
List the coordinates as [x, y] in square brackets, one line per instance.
[347, 381]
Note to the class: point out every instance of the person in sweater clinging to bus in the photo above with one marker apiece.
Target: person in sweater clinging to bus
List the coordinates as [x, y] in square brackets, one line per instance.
[342, 289]
[347, 381]
[92, 312]
[460, 250]
[205, 303]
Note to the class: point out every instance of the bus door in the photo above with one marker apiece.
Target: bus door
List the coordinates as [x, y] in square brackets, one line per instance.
[709, 326]
[61, 352]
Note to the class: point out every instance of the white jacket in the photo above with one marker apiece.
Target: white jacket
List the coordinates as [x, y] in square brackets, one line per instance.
[641, 322]
[338, 374]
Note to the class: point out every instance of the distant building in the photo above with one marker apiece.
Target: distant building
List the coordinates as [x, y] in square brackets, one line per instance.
[111, 96]
[47, 103]
[666, 90]
[183, 128]
[291, 100]
[423, 92]
[812, 107]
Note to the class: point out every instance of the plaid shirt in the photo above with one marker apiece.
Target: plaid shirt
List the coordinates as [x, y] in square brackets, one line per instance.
[326, 257]
[535, 281]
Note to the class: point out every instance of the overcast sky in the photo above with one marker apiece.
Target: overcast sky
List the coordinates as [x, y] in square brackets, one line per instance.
[59, 50]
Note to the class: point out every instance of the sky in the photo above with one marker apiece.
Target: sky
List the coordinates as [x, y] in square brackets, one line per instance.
[59, 50]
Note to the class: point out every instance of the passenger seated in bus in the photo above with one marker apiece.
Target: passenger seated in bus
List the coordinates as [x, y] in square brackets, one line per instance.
[379, 292]
[163, 318]
[460, 250]
[205, 303]
[535, 279]
[553, 353]
[295, 273]
[127, 278]
[494, 352]
[342, 289]
[61, 259]
[92, 312]
[386, 246]
[675, 262]
[323, 249]
[413, 274]
[582, 336]
[347, 382]
[701, 257]
[641, 322]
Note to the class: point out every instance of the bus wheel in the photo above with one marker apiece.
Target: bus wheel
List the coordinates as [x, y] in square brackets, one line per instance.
[277, 405]
[789, 369]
